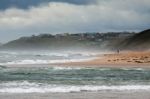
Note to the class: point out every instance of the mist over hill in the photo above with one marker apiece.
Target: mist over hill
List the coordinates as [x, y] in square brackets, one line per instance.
[86, 41]
[83, 41]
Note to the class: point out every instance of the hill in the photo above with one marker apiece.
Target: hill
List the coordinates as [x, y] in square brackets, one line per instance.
[54, 42]
[140, 41]
[100, 41]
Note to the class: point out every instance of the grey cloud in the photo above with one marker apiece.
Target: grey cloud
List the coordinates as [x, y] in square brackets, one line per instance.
[25, 4]
[110, 15]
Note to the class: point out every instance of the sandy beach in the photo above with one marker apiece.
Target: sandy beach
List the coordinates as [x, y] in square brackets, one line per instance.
[81, 95]
[123, 59]
[110, 60]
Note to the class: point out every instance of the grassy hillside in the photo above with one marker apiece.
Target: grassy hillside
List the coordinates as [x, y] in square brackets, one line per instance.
[140, 41]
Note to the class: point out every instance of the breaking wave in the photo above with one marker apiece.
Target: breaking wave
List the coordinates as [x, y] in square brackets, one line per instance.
[28, 87]
[23, 62]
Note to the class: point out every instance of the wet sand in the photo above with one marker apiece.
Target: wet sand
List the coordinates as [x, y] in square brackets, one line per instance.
[123, 59]
[82, 95]
[114, 60]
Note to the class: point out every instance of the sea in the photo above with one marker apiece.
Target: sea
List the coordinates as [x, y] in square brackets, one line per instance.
[16, 76]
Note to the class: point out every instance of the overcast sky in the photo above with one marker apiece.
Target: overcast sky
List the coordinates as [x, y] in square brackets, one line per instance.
[26, 17]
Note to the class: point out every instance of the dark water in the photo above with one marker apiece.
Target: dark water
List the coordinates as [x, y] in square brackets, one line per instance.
[79, 76]
[58, 79]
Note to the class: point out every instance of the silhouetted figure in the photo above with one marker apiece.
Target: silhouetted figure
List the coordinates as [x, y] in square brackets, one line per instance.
[118, 51]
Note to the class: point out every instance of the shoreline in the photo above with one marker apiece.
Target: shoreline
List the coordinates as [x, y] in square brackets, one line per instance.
[81, 95]
[79, 65]
[114, 60]
[124, 59]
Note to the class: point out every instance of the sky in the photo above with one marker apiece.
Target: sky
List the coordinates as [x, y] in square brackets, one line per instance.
[27, 17]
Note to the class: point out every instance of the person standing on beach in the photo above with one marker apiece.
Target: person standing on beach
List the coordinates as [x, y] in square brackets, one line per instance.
[118, 51]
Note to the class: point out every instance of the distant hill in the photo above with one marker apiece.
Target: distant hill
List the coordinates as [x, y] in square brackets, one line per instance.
[140, 41]
[54, 42]
[100, 41]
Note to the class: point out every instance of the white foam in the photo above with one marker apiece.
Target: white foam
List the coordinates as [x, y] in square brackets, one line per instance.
[27, 87]
[68, 68]
[47, 53]
[135, 69]
[37, 61]
[71, 89]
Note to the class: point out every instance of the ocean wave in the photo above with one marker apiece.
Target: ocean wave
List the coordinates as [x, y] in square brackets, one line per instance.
[38, 61]
[47, 53]
[133, 69]
[28, 87]
[67, 68]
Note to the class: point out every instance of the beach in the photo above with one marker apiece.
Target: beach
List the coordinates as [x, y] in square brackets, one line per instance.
[124, 75]
[125, 59]
[74, 49]
[81, 95]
